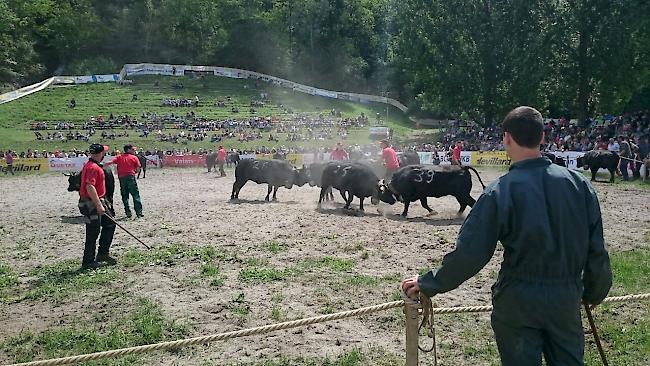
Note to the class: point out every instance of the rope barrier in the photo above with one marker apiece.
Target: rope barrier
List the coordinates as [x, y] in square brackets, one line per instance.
[174, 345]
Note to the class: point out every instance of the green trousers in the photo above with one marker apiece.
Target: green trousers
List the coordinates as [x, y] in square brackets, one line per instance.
[533, 319]
[129, 186]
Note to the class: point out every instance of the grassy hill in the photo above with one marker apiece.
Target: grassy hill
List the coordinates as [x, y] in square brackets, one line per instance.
[51, 105]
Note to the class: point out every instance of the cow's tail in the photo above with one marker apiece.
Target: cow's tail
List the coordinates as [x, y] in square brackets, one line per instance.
[477, 175]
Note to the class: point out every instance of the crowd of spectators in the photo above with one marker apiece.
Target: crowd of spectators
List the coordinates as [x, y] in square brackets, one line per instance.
[561, 134]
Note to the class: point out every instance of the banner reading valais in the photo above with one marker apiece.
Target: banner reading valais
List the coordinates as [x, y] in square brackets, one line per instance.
[25, 165]
[490, 158]
[184, 161]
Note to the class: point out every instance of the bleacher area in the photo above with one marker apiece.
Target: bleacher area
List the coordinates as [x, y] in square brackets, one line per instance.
[221, 100]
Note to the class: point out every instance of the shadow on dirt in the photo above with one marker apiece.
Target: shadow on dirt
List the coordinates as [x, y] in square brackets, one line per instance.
[75, 220]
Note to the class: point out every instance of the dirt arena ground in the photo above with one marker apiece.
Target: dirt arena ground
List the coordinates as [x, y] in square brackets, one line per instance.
[274, 261]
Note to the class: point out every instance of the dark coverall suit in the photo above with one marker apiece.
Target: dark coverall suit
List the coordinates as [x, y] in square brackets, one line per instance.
[548, 220]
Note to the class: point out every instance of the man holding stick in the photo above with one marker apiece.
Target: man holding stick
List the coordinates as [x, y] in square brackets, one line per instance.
[548, 220]
[93, 205]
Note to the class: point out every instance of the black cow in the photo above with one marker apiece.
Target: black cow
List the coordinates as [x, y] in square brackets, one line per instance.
[74, 183]
[275, 173]
[409, 158]
[417, 182]
[211, 161]
[554, 159]
[143, 165]
[596, 159]
[232, 159]
[351, 179]
[315, 178]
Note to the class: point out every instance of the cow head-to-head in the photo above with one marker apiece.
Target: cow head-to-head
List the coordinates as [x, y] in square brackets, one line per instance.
[74, 181]
[580, 162]
[301, 176]
[383, 193]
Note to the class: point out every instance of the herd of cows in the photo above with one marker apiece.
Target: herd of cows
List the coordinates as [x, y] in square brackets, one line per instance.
[412, 182]
[361, 179]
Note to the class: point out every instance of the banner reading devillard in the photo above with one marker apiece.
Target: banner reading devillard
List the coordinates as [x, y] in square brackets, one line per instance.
[25, 166]
[490, 158]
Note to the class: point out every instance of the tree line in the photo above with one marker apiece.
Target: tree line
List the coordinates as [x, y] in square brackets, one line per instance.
[443, 58]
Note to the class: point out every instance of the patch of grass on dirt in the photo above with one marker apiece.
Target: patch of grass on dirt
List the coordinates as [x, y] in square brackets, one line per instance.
[631, 271]
[213, 273]
[146, 324]
[277, 314]
[372, 281]
[256, 275]
[276, 247]
[375, 356]
[63, 279]
[8, 279]
[624, 327]
[239, 307]
[171, 255]
[332, 263]
[358, 246]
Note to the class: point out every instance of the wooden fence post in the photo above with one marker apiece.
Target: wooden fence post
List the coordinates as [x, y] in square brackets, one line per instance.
[411, 313]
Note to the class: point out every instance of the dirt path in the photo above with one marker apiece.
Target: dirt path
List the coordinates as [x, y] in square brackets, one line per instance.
[368, 255]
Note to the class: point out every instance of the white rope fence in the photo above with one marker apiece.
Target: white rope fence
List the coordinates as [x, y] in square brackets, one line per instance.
[174, 345]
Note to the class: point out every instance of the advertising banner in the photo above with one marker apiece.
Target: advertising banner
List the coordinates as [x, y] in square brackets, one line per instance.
[490, 158]
[66, 164]
[76, 164]
[247, 157]
[184, 161]
[294, 159]
[24, 166]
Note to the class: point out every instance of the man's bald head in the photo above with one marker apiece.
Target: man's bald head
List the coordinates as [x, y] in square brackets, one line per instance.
[525, 125]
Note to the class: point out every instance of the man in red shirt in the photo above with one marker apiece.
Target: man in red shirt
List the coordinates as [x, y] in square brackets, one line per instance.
[339, 153]
[391, 162]
[127, 168]
[93, 205]
[221, 160]
[455, 154]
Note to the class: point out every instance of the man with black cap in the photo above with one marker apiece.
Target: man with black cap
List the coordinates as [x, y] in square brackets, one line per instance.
[554, 253]
[127, 168]
[93, 205]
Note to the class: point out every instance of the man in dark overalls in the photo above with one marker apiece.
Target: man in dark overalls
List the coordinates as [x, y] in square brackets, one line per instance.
[548, 220]
[93, 205]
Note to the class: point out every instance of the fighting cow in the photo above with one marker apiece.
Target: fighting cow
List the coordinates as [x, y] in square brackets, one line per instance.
[74, 183]
[351, 179]
[316, 175]
[211, 161]
[596, 159]
[143, 165]
[409, 158]
[232, 159]
[417, 182]
[554, 159]
[275, 173]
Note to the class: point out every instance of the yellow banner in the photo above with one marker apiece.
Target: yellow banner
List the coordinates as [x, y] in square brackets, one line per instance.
[294, 159]
[25, 166]
[490, 158]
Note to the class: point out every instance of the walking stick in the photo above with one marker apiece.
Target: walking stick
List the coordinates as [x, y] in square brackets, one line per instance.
[590, 318]
[123, 228]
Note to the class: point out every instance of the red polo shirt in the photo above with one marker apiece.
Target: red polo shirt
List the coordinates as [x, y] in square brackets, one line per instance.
[456, 153]
[92, 174]
[127, 164]
[338, 154]
[221, 155]
[390, 158]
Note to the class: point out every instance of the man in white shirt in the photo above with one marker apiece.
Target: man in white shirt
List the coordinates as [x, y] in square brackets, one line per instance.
[613, 146]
